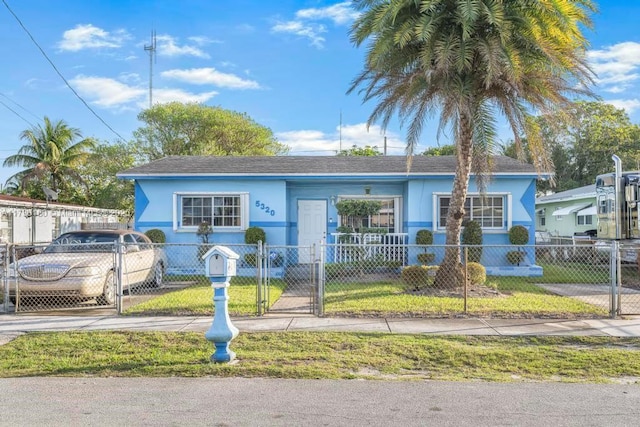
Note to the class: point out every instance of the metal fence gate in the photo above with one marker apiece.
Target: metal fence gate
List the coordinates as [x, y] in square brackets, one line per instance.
[297, 281]
[625, 278]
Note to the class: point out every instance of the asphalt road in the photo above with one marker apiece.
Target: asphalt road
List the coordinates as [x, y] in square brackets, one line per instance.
[278, 402]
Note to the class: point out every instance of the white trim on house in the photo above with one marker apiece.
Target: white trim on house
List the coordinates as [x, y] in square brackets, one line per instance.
[177, 205]
[507, 207]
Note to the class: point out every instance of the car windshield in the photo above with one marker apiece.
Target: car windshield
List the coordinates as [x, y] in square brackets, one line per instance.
[83, 242]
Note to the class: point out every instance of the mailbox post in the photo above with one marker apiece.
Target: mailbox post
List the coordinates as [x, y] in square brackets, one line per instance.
[220, 266]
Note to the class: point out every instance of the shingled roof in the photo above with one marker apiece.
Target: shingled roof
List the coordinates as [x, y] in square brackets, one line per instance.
[312, 165]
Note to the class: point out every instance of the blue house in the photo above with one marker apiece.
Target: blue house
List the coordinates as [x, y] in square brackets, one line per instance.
[293, 198]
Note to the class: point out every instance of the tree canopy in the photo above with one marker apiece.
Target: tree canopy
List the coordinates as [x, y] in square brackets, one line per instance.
[101, 186]
[195, 129]
[468, 62]
[590, 133]
[581, 140]
[50, 156]
[361, 151]
[442, 150]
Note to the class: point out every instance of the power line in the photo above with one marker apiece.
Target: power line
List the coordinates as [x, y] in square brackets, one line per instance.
[16, 113]
[59, 73]
[21, 107]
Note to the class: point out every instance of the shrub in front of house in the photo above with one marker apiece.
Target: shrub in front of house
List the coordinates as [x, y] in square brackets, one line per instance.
[519, 235]
[425, 238]
[415, 277]
[472, 236]
[476, 273]
[515, 257]
[156, 235]
[204, 232]
[252, 236]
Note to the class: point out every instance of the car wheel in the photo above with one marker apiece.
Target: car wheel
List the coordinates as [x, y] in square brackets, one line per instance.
[108, 296]
[158, 275]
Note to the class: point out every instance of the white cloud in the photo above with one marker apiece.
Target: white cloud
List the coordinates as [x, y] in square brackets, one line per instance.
[307, 30]
[629, 105]
[204, 76]
[168, 46]
[306, 23]
[107, 92]
[34, 83]
[202, 40]
[339, 13]
[314, 142]
[130, 77]
[114, 94]
[616, 66]
[90, 37]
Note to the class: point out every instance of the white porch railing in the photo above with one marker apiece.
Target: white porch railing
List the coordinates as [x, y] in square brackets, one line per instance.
[370, 246]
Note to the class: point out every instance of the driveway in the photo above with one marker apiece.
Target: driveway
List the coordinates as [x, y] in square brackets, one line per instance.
[598, 295]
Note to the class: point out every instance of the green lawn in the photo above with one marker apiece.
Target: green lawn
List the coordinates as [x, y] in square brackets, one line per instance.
[325, 355]
[518, 296]
[197, 299]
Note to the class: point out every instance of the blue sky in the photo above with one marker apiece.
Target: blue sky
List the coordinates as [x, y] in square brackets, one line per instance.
[286, 63]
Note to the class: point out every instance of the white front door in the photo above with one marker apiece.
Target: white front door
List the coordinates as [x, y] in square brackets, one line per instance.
[312, 226]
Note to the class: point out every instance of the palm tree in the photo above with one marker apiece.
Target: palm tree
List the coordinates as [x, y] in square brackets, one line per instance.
[50, 155]
[470, 61]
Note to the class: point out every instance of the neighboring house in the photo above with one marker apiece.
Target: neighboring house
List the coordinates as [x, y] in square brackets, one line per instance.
[29, 221]
[569, 212]
[293, 197]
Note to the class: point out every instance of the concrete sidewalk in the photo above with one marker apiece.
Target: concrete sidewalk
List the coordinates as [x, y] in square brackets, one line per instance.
[12, 325]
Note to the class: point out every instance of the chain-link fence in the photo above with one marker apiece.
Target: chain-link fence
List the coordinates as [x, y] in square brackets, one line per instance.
[185, 289]
[150, 279]
[577, 280]
[499, 281]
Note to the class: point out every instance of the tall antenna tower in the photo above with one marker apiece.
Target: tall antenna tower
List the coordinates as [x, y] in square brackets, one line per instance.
[152, 56]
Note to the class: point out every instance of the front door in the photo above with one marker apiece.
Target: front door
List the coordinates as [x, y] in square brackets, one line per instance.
[312, 226]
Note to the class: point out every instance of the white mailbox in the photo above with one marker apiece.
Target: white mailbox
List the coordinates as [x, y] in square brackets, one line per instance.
[220, 261]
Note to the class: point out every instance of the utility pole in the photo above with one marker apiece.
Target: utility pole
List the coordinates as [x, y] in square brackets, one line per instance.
[152, 54]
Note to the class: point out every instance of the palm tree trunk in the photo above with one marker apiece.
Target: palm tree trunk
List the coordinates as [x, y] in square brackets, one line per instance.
[450, 274]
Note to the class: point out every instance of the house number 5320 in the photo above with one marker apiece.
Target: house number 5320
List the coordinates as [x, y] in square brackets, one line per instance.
[265, 208]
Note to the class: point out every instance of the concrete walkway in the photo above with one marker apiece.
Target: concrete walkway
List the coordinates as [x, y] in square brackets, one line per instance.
[12, 325]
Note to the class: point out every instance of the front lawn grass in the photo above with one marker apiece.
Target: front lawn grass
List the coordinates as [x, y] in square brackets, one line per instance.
[197, 299]
[325, 355]
[517, 298]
